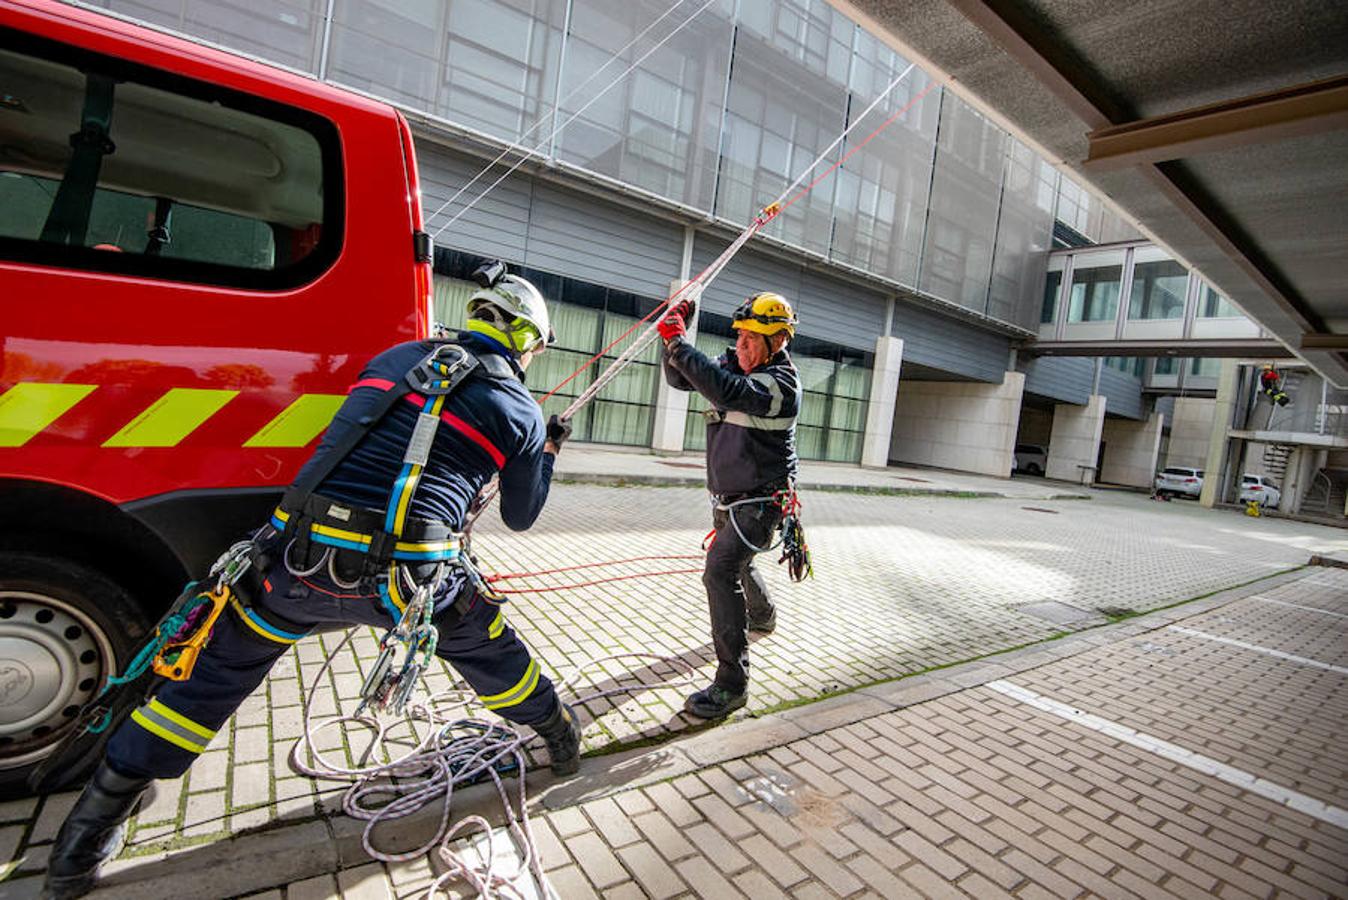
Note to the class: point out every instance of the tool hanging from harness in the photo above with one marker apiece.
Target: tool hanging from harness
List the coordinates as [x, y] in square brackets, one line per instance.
[170, 655]
[404, 558]
[790, 531]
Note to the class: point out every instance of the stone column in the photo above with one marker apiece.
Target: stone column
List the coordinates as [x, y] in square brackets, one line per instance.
[880, 406]
[671, 406]
[1223, 410]
[1075, 444]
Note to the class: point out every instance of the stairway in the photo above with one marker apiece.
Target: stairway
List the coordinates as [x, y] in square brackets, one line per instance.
[1275, 461]
[1326, 496]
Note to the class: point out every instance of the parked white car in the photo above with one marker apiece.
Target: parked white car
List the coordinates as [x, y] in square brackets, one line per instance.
[1031, 459]
[1261, 489]
[1179, 481]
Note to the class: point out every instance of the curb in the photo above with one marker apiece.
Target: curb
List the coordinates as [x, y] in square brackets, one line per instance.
[613, 480]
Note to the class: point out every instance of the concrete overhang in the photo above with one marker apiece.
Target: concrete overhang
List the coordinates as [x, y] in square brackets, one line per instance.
[1220, 128]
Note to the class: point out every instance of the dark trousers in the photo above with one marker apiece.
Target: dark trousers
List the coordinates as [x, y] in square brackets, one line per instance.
[735, 589]
[165, 735]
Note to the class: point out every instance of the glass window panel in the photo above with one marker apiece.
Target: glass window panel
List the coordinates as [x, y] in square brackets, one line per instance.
[659, 127]
[780, 118]
[1215, 306]
[1048, 310]
[814, 409]
[1158, 290]
[1094, 295]
[489, 64]
[1024, 238]
[1204, 367]
[1166, 365]
[810, 442]
[283, 31]
[844, 446]
[957, 255]
[848, 414]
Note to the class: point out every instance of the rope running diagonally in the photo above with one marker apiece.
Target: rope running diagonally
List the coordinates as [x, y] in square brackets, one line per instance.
[446, 752]
[694, 288]
[571, 118]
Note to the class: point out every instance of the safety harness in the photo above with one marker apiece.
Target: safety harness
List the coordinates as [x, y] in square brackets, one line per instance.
[404, 558]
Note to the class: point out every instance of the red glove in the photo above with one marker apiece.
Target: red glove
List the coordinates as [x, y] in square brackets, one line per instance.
[671, 326]
[684, 309]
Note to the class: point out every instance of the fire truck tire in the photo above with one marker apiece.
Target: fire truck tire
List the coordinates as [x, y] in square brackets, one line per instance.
[63, 628]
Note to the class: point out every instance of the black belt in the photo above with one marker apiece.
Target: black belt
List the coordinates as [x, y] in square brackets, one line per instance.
[322, 520]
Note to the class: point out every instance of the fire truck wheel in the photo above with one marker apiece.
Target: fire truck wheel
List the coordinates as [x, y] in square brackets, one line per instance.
[63, 628]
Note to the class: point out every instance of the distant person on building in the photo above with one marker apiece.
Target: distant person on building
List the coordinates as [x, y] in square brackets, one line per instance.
[1271, 383]
[370, 531]
[755, 395]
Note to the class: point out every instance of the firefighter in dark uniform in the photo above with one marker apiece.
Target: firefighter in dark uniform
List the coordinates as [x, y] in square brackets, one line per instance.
[355, 549]
[754, 392]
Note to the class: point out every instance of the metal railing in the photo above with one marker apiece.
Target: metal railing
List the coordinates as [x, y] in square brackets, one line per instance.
[1313, 406]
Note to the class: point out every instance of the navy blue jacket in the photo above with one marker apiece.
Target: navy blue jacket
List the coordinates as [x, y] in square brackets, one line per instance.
[504, 431]
[751, 429]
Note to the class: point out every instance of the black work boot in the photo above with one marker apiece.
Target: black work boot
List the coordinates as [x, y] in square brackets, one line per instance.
[93, 833]
[714, 702]
[562, 736]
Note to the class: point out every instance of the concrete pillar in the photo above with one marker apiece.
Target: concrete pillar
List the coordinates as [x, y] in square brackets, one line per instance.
[1190, 431]
[880, 407]
[966, 426]
[1075, 445]
[671, 406]
[1223, 409]
[1131, 450]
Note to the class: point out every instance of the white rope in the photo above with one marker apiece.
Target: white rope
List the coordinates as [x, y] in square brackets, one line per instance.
[514, 145]
[522, 160]
[448, 753]
[709, 274]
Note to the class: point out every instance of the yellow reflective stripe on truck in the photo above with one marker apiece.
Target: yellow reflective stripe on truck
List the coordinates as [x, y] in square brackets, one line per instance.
[299, 423]
[171, 418]
[28, 408]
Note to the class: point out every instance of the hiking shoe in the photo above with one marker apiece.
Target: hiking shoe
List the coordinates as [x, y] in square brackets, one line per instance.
[714, 702]
[764, 623]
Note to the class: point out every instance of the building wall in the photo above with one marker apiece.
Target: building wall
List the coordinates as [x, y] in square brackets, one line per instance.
[1075, 442]
[957, 425]
[1131, 451]
[1036, 426]
[1064, 378]
[1190, 431]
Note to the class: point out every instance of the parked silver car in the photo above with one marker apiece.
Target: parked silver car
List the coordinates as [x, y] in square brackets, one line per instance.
[1261, 489]
[1179, 481]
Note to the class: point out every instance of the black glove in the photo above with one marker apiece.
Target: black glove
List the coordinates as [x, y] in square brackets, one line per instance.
[558, 430]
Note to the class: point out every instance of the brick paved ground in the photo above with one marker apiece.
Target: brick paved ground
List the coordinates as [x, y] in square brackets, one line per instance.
[979, 794]
[903, 584]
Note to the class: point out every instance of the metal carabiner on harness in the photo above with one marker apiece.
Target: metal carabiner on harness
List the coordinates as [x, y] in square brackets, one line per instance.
[386, 688]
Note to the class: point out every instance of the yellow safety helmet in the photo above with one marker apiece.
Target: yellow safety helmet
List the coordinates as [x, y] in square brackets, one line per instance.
[765, 313]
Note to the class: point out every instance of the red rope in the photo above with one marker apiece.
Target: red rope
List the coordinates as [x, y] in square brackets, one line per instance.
[848, 155]
[567, 587]
[504, 576]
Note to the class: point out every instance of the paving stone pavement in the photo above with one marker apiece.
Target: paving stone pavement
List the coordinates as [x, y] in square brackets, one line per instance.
[903, 585]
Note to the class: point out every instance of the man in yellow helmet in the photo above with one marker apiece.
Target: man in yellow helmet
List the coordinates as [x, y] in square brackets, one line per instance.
[754, 392]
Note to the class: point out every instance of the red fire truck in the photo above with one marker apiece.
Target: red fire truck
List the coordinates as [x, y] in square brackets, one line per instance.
[198, 252]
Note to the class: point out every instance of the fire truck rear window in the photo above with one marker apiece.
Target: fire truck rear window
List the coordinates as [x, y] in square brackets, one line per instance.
[114, 167]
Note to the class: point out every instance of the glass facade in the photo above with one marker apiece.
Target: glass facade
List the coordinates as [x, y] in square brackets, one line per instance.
[586, 319]
[721, 118]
